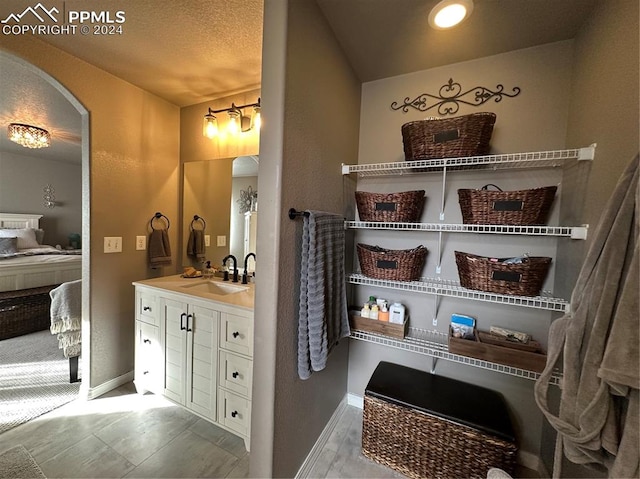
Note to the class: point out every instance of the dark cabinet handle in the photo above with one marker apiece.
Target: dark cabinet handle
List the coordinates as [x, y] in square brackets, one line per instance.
[235, 374]
[148, 341]
[146, 372]
[234, 413]
[235, 334]
[146, 308]
[182, 317]
[189, 316]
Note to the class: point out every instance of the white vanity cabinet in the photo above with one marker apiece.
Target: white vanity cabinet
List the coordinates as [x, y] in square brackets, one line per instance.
[197, 352]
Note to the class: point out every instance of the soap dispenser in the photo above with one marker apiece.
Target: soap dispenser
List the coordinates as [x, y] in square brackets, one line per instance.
[208, 271]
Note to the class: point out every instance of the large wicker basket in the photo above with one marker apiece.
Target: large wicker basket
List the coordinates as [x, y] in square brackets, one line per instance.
[402, 207]
[521, 279]
[520, 207]
[24, 311]
[394, 265]
[461, 136]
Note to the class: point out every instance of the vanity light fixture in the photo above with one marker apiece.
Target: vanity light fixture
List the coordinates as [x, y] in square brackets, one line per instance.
[238, 121]
[28, 136]
[449, 13]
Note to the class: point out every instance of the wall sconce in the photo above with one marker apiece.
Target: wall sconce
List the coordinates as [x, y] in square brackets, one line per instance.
[238, 121]
[48, 198]
[28, 136]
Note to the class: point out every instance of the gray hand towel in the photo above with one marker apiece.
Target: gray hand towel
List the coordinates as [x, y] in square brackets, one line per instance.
[195, 244]
[323, 318]
[159, 248]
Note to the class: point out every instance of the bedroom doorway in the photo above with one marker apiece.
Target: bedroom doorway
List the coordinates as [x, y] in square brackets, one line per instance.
[29, 95]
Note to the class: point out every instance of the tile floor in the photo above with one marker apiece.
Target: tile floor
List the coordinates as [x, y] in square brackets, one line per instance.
[124, 434]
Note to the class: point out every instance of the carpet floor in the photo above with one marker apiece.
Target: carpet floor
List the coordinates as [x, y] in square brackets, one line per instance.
[17, 463]
[34, 378]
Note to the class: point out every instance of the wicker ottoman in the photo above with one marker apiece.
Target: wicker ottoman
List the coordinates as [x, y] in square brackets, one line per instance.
[24, 311]
[428, 426]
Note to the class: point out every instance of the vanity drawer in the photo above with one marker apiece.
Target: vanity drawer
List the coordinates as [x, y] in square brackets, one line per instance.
[148, 358]
[235, 373]
[146, 307]
[236, 334]
[234, 412]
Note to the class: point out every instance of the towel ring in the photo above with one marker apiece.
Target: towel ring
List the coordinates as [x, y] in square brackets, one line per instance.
[198, 218]
[157, 216]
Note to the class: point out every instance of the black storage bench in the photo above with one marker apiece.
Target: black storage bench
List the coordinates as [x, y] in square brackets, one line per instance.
[428, 426]
[24, 311]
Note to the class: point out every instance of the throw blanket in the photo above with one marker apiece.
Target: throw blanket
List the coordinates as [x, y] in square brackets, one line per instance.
[159, 248]
[195, 244]
[598, 417]
[323, 318]
[66, 316]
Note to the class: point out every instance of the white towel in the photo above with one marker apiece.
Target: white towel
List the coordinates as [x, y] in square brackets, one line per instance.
[66, 316]
[323, 318]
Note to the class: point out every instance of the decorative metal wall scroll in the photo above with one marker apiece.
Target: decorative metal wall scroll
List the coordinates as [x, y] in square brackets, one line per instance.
[248, 200]
[450, 96]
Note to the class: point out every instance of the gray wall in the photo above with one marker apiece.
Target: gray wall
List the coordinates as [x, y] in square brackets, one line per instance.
[603, 109]
[22, 179]
[306, 85]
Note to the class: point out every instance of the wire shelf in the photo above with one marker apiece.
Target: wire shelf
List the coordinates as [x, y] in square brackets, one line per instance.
[575, 232]
[453, 289]
[537, 159]
[435, 344]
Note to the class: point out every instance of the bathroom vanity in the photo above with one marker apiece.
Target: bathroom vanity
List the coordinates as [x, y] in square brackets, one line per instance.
[194, 345]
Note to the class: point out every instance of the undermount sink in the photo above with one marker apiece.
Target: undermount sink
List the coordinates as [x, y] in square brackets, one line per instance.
[215, 287]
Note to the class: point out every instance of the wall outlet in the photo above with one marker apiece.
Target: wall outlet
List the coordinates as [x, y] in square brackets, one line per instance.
[207, 240]
[113, 244]
[222, 241]
[141, 242]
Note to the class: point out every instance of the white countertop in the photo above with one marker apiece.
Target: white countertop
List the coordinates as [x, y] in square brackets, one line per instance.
[199, 288]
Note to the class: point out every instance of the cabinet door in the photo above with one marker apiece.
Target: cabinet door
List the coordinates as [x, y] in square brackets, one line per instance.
[174, 345]
[202, 365]
[148, 359]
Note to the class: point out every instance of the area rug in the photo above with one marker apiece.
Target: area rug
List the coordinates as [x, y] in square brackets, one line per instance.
[34, 378]
[17, 463]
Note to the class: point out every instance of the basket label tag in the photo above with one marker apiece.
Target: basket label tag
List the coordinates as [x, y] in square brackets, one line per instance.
[508, 205]
[386, 264]
[506, 276]
[386, 206]
[445, 136]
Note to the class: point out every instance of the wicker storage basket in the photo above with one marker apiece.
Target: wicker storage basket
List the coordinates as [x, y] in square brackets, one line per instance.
[521, 279]
[468, 135]
[394, 265]
[427, 426]
[24, 311]
[403, 207]
[521, 207]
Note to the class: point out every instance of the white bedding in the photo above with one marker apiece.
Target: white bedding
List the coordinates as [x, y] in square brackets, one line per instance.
[42, 254]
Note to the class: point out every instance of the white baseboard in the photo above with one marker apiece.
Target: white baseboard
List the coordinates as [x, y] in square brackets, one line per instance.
[314, 454]
[110, 385]
[524, 458]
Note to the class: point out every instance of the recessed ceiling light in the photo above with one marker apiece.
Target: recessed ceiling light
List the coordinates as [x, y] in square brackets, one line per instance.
[449, 13]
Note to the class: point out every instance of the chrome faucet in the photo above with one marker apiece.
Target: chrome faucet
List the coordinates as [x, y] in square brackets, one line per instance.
[235, 268]
[246, 260]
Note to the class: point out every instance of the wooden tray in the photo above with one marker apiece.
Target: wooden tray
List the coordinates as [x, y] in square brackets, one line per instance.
[379, 327]
[530, 361]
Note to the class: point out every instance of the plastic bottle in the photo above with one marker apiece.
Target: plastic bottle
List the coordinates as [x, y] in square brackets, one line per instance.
[373, 313]
[383, 315]
[396, 313]
[372, 301]
[365, 310]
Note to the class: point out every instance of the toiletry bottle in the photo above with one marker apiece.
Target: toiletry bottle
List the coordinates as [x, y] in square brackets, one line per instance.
[383, 314]
[365, 310]
[372, 301]
[396, 313]
[373, 313]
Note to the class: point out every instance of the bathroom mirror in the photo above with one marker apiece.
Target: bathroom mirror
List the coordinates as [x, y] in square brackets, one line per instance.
[223, 194]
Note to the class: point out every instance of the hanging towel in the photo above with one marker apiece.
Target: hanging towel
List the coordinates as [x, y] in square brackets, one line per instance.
[598, 342]
[323, 318]
[159, 248]
[66, 317]
[195, 244]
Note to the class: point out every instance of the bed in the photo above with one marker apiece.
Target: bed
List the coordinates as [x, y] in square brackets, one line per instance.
[34, 267]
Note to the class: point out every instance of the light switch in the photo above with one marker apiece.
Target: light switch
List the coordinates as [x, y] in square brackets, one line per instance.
[222, 241]
[113, 244]
[141, 242]
[207, 240]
